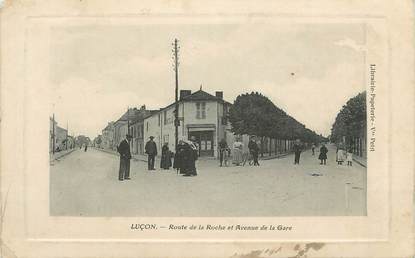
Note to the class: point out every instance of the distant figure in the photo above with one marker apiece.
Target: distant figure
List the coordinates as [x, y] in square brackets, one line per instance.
[297, 151]
[312, 149]
[237, 152]
[253, 150]
[349, 157]
[340, 154]
[86, 147]
[165, 162]
[151, 151]
[80, 146]
[125, 157]
[223, 146]
[226, 157]
[323, 154]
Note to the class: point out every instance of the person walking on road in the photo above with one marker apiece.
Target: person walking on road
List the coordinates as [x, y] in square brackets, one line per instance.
[223, 146]
[253, 150]
[151, 151]
[313, 148]
[340, 154]
[86, 147]
[349, 157]
[323, 154]
[298, 147]
[165, 162]
[125, 157]
[237, 152]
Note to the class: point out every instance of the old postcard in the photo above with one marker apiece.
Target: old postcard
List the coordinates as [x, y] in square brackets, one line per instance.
[220, 129]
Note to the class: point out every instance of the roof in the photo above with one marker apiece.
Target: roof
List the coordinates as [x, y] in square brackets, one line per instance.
[199, 95]
[135, 115]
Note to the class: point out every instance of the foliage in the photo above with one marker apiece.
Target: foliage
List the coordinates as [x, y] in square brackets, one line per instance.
[254, 114]
[351, 120]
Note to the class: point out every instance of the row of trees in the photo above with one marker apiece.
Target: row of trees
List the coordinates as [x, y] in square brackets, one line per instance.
[255, 114]
[350, 122]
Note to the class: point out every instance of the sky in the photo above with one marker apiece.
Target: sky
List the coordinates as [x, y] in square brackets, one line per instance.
[308, 70]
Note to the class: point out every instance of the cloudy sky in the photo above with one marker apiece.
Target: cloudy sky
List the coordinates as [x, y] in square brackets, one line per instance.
[309, 70]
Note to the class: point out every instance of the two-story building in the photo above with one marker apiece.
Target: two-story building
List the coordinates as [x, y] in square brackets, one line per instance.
[132, 122]
[201, 115]
[108, 136]
[57, 136]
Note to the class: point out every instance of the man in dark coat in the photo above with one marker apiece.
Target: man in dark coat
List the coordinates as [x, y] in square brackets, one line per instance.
[125, 157]
[253, 149]
[151, 151]
[298, 147]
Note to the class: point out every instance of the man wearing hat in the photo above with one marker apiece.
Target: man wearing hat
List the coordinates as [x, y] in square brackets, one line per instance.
[125, 157]
[151, 151]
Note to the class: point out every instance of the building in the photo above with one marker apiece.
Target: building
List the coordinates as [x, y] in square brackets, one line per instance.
[201, 115]
[57, 136]
[108, 136]
[132, 122]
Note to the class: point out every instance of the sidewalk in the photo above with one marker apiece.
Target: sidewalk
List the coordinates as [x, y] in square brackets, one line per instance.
[58, 155]
[359, 160]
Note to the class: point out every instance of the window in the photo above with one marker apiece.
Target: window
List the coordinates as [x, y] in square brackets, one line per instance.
[165, 117]
[159, 119]
[200, 110]
[166, 138]
[147, 126]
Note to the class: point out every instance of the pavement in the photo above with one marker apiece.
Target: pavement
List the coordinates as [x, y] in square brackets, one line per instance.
[86, 184]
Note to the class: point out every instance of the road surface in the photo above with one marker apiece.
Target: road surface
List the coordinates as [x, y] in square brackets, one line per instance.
[86, 184]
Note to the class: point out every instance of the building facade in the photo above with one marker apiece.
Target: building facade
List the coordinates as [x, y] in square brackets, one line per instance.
[132, 122]
[57, 136]
[201, 115]
[108, 136]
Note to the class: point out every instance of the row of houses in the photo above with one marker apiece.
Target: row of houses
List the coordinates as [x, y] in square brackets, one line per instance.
[201, 115]
[58, 137]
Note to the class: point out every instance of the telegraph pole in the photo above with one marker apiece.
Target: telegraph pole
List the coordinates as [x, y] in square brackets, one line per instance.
[53, 133]
[176, 49]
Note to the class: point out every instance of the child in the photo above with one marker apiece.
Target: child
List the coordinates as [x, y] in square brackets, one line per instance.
[349, 157]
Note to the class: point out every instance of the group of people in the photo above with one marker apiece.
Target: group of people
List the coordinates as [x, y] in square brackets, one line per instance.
[187, 153]
[238, 157]
[184, 158]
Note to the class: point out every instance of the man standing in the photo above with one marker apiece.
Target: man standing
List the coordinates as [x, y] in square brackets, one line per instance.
[125, 157]
[297, 151]
[151, 151]
[223, 146]
[253, 150]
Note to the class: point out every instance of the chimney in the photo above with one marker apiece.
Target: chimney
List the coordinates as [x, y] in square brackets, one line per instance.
[185, 93]
[219, 94]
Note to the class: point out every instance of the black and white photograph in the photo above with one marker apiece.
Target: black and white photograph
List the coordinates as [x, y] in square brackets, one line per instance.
[223, 128]
[208, 120]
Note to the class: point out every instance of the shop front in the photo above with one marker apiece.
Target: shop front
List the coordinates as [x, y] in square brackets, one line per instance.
[204, 135]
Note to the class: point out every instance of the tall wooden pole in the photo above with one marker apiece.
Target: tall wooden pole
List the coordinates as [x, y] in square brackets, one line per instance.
[176, 111]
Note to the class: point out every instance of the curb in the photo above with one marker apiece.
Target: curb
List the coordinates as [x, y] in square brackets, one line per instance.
[63, 155]
[360, 163]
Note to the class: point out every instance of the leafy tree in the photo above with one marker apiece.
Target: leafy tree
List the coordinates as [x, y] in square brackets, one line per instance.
[253, 113]
[351, 119]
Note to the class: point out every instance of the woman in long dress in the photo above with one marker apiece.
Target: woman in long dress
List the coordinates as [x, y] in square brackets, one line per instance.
[165, 162]
[340, 155]
[237, 152]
